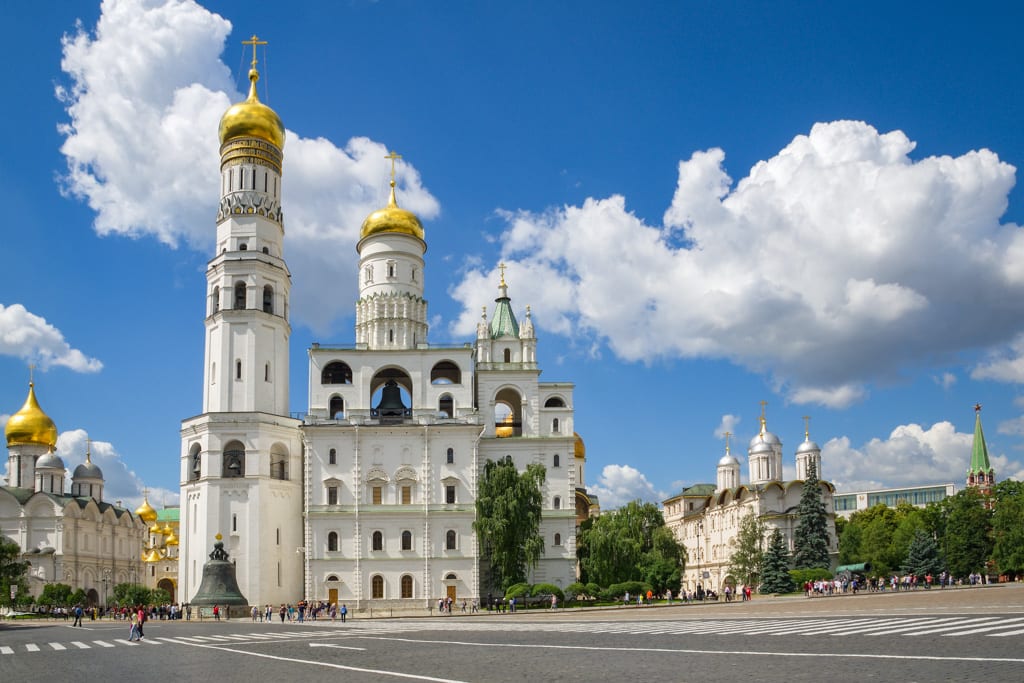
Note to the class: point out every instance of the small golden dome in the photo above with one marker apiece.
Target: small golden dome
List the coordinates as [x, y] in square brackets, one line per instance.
[579, 450]
[145, 512]
[171, 540]
[31, 425]
[252, 119]
[506, 430]
[152, 556]
[392, 219]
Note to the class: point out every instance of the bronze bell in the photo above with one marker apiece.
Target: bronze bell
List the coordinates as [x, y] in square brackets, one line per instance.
[219, 586]
[391, 401]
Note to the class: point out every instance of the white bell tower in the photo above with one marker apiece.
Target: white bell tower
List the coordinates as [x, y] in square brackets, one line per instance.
[241, 458]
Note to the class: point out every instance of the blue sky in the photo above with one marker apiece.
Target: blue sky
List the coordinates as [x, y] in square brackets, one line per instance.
[707, 205]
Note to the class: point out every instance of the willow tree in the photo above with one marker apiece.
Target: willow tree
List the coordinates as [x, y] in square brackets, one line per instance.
[508, 513]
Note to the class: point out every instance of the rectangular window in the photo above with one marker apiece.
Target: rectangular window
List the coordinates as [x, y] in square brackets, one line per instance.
[332, 495]
[449, 494]
[377, 494]
[406, 495]
[234, 522]
[279, 540]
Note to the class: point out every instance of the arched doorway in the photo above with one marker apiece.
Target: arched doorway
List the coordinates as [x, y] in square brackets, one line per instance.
[167, 585]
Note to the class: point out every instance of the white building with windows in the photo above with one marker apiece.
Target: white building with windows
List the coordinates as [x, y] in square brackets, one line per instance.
[369, 498]
[67, 534]
[706, 518]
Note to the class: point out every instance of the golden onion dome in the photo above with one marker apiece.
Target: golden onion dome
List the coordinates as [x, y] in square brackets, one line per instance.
[152, 556]
[392, 219]
[31, 425]
[506, 429]
[145, 512]
[252, 119]
[579, 450]
[171, 539]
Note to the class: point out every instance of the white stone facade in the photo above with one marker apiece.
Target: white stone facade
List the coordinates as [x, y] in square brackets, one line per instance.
[706, 518]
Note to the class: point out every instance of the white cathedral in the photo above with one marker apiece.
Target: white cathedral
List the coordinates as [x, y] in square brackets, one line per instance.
[369, 498]
[706, 518]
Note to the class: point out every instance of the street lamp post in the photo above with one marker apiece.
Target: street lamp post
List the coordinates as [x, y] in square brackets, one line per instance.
[106, 582]
[700, 534]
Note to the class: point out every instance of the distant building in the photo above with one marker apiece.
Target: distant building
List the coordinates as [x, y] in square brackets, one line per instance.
[72, 537]
[918, 496]
[705, 518]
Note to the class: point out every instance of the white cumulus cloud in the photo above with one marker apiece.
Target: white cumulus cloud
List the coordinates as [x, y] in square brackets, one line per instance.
[29, 337]
[911, 455]
[837, 262]
[619, 484]
[147, 90]
[119, 481]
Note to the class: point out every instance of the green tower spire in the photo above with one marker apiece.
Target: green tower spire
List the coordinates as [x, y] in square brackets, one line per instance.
[979, 452]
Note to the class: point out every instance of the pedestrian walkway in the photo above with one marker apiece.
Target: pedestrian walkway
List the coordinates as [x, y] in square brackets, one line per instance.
[868, 627]
[77, 645]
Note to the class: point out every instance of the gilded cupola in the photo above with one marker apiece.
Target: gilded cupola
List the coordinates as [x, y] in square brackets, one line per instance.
[145, 512]
[252, 118]
[250, 131]
[392, 218]
[31, 425]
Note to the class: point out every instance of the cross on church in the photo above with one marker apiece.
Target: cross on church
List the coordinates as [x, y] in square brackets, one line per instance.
[727, 435]
[501, 267]
[254, 41]
[807, 426]
[394, 156]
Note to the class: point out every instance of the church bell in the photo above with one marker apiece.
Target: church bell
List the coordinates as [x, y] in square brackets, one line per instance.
[391, 401]
[219, 586]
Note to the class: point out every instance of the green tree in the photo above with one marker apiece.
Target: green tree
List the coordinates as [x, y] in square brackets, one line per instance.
[12, 573]
[810, 542]
[632, 544]
[1008, 527]
[58, 594]
[748, 550]
[127, 594]
[850, 543]
[923, 556]
[967, 543]
[775, 567]
[508, 513]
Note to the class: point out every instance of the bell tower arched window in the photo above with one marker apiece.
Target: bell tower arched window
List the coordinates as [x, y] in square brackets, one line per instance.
[234, 460]
[239, 296]
[378, 541]
[268, 299]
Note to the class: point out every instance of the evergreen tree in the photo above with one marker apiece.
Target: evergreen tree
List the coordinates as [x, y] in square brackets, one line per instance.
[748, 550]
[508, 512]
[923, 556]
[775, 576]
[811, 539]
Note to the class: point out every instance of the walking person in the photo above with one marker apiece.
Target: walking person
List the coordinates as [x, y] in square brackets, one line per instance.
[78, 616]
[344, 612]
[133, 628]
[140, 616]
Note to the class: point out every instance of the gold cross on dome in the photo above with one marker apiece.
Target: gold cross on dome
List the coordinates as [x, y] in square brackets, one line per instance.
[501, 267]
[254, 41]
[31, 372]
[807, 426]
[394, 156]
[727, 435]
